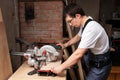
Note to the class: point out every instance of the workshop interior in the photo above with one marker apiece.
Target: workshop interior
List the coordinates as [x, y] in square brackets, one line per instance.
[30, 30]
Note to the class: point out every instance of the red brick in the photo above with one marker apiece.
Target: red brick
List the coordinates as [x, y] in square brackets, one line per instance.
[47, 25]
[47, 5]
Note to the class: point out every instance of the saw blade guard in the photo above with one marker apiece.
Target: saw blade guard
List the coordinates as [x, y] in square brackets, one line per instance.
[52, 53]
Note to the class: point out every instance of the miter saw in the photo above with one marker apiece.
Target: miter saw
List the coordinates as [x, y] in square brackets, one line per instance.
[37, 57]
[46, 52]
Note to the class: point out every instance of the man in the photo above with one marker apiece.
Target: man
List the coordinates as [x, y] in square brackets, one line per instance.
[92, 38]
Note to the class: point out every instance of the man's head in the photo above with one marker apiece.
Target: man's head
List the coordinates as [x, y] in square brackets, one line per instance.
[74, 14]
[74, 9]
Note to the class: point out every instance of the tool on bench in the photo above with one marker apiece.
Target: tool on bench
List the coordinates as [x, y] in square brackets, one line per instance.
[38, 56]
[46, 73]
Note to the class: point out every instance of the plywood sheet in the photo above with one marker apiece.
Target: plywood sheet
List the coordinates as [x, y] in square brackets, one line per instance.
[5, 63]
[22, 73]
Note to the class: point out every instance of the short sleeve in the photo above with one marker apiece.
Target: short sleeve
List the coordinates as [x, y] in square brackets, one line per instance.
[89, 37]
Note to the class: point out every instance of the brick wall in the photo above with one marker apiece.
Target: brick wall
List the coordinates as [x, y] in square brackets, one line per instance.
[46, 27]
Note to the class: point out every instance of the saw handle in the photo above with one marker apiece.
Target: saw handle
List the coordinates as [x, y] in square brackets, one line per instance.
[57, 47]
[46, 73]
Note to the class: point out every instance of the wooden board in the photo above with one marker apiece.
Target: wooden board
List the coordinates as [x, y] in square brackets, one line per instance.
[71, 71]
[22, 73]
[5, 64]
[1, 16]
[80, 70]
[115, 73]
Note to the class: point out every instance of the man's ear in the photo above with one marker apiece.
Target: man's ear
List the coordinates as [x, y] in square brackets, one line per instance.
[77, 15]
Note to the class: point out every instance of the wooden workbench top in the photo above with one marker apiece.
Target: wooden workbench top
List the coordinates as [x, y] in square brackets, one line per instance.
[22, 73]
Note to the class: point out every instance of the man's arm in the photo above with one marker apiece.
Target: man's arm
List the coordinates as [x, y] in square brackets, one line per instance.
[73, 59]
[72, 41]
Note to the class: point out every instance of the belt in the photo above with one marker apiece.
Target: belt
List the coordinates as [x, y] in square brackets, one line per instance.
[99, 57]
[100, 64]
[100, 60]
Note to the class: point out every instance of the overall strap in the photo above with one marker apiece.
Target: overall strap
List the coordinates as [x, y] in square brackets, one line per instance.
[85, 59]
[86, 24]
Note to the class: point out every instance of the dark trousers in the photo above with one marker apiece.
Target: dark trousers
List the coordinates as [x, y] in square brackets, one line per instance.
[98, 67]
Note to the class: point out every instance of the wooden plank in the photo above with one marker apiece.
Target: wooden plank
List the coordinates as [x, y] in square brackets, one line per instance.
[70, 36]
[80, 70]
[118, 76]
[5, 63]
[115, 69]
[21, 73]
[71, 71]
[1, 16]
[111, 77]
[115, 73]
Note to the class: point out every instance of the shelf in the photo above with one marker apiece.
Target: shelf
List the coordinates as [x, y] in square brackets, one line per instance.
[114, 22]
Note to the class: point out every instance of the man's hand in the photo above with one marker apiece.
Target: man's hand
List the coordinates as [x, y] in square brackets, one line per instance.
[62, 45]
[57, 70]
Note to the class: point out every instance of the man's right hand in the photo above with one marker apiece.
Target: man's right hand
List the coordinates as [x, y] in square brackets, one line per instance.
[62, 45]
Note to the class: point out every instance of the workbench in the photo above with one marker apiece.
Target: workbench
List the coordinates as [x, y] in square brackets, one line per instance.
[22, 73]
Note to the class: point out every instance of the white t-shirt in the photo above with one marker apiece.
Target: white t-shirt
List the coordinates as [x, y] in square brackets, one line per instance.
[94, 38]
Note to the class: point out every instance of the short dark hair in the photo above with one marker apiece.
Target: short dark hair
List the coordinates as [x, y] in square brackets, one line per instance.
[73, 9]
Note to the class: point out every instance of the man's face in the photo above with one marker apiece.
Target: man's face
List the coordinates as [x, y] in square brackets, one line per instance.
[73, 21]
